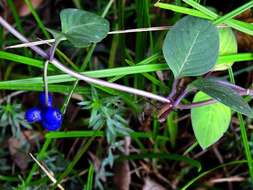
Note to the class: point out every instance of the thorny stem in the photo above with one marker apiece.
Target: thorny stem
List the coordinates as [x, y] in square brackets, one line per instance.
[64, 69]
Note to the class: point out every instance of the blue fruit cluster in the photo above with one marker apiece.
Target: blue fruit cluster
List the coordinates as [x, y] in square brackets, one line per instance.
[50, 117]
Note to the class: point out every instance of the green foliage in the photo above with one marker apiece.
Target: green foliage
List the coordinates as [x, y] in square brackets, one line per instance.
[11, 115]
[228, 45]
[209, 122]
[223, 94]
[172, 128]
[101, 172]
[191, 47]
[81, 28]
[106, 111]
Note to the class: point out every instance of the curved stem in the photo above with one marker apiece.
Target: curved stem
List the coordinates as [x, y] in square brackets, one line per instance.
[60, 66]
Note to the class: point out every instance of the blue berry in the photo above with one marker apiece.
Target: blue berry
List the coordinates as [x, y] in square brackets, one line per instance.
[42, 98]
[50, 127]
[33, 115]
[51, 118]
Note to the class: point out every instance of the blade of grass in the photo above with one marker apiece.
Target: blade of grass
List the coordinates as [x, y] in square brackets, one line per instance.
[115, 72]
[203, 12]
[25, 60]
[90, 178]
[235, 57]
[141, 42]
[238, 162]
[84, 134]
[202, 9]
[146, 61]
[15, 15]
[37, 18]
[166, 156]
[241, 26]
[96, 74]
[243, 133]
[183, 10]
[8, 178]
[234, 13]
[172, 128]
[39, 87]
[151, 78]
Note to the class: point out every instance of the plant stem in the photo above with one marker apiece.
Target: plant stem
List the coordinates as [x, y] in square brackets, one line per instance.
[243, 133]
[242, 92]
[181, 96]
[174, 89]
[61, 67]
[195, 104]
[46, 80]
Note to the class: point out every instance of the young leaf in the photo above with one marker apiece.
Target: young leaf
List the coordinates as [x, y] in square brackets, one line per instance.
[223, 94]
[228, 45]
[191, 47]
[209, 122]
[82, 28]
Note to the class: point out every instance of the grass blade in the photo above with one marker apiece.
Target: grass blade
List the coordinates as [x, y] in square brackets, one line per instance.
[234, 13]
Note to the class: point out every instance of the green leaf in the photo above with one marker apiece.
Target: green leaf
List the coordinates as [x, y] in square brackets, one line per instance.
[228, 45]
[82, 28]
[191, 47]
[209, 122]
[223, 94]
[58, 36]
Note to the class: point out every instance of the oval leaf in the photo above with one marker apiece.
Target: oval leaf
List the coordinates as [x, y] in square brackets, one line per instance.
[209, 122]
[191, 47]
[223, 94]
[82, 28]
[228, 45]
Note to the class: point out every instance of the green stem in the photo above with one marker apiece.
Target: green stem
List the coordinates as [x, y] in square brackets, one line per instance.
[243, 133]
